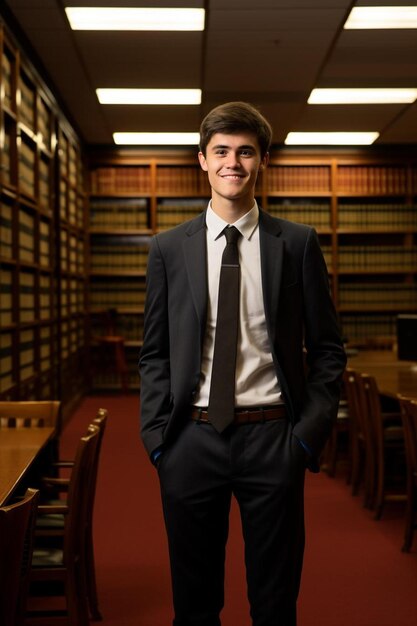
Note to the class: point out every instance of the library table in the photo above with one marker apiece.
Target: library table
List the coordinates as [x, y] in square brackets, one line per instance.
[393, 377]
[19, 448]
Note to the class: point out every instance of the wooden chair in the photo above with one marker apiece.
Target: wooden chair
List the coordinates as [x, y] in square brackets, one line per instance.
[338, 442]
[56, 522]
[16, 536]
[66, 564]
[409, 417]
[111, 350]
[389, 456]
[361, 448]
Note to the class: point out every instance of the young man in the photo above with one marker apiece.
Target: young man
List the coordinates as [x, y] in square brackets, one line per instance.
[229, 405]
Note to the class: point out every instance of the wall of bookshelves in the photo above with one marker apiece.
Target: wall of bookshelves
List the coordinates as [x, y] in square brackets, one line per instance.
[130, 199]
[43, 277]
[364, 208]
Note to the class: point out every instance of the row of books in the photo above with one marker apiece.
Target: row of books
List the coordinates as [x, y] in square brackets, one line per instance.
[358, 328]
[378, 258]
[27, 169]
[6, 360]
[72, 250]
[377, 179]
[381, 216]
[26, 353]
[72, 304]
[7, 66]
[317, 215]
[27, 296]
[129, 213]
[26, 237]
[108, 180]
[111, 293]
[75, 210]
[6, 232]
[45, 185]
[44, 124]
[289, 178]
[27, 103]
[107, 381]
[181, 179]
[6, 173]
[378, 294]
[171, 212]
[6, 296]
[118, 257]
[130, 327]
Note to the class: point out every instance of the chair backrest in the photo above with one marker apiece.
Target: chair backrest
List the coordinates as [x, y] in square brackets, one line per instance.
[100, 421]
[355, 400]
[31, 413]
[409, 420]
[16, 543]
[79, 493]
[357, 388]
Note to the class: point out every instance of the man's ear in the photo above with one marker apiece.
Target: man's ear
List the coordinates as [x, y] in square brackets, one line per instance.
[264, 162]
[203, 162]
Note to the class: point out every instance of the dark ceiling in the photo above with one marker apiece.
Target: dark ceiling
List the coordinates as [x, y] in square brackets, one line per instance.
[268, 52]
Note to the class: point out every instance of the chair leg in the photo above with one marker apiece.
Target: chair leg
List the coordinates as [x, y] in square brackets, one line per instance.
[91, 581]
[410, 515]
[76, 595]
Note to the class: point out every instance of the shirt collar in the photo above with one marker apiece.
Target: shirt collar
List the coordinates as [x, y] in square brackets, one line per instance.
[246, 224]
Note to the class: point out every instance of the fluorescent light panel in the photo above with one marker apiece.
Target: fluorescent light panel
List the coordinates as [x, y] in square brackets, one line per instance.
[125, 18]
[149, 96]
[157, 139]
[362, 96]
[382, 17]
[331, 139]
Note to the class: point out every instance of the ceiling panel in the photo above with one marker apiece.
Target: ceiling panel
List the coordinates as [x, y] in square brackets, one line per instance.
[268, 52]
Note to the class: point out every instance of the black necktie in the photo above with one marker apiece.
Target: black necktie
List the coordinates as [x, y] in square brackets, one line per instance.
[222, 390]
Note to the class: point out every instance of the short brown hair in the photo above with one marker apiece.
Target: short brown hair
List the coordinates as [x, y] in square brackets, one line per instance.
[232, 118]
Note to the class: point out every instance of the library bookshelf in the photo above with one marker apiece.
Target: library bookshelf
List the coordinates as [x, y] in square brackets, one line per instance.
[43, 283]
[363, 206]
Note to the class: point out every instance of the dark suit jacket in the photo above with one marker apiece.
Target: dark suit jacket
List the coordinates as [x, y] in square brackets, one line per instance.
[299, 315]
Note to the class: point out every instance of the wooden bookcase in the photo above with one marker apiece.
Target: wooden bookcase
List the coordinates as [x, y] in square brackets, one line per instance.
[364, 207]
[38, 273]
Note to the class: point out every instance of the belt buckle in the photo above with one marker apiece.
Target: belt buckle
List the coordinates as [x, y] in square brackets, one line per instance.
[199, 411]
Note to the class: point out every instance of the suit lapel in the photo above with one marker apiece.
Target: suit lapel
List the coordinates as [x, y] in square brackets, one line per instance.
[272, 252]
[195, 255]
[272, 255]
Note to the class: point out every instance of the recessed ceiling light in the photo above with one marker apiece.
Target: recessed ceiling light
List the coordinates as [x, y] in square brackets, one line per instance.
[362, 96]
[149, 96]
[331, 139]
[125, 18]
[157, 139]
[382, 17]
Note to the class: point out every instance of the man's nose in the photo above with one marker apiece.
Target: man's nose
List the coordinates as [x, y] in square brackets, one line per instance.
[233, 160]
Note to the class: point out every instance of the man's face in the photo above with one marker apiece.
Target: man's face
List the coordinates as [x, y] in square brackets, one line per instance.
[232, 163]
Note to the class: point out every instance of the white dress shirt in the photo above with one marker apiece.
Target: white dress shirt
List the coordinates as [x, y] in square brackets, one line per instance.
[256, 380]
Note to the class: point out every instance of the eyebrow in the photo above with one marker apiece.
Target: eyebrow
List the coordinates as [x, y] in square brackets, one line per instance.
[244, 147]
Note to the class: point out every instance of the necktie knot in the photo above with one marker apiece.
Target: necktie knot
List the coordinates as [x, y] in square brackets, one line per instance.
[232, 234]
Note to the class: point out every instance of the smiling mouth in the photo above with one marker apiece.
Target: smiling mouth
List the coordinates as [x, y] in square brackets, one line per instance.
[232, 176]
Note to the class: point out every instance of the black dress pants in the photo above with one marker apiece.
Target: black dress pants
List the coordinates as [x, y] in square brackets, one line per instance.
[263, 466]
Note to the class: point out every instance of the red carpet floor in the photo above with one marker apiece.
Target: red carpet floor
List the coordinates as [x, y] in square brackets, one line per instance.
[354, 574]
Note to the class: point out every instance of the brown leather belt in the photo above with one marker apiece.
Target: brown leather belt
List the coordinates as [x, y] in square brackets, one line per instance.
[245, 416]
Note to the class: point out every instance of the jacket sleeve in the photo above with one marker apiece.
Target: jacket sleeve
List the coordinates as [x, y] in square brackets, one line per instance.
[154, 362]
[325, 355]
